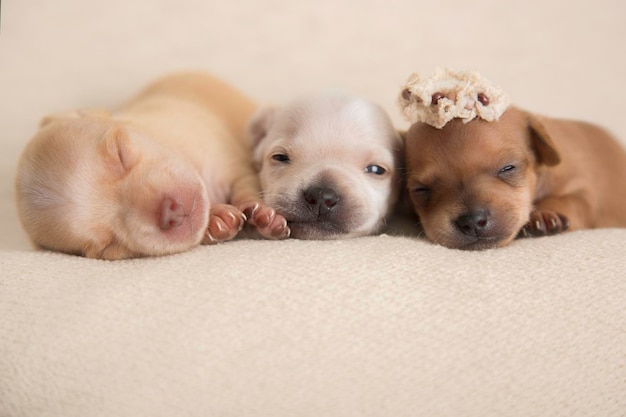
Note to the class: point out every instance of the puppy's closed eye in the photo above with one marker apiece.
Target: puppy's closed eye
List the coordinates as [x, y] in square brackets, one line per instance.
[419, 193]
[512, 173]
[507, 169]
[420, 189]
[281, 157]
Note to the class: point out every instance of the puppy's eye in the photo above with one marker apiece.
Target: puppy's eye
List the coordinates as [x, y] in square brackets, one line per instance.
[375, 169]
[507, 169]
[420, 190]
[420, 195]
[281, 157]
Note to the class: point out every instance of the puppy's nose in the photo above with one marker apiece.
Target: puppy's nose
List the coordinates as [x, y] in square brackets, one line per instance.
[171, 214]
[321, 199]
[474, 223]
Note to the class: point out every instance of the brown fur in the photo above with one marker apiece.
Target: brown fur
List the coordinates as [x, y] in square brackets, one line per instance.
[566, 175]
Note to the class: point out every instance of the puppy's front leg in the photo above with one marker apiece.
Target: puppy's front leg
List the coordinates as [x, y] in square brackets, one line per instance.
[225, 222]
[553, 215]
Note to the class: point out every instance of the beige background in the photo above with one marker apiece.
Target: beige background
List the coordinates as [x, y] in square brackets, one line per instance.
[379, 326]
[561, 58]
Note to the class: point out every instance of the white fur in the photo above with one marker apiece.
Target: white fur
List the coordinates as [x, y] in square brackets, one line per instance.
[330, 140]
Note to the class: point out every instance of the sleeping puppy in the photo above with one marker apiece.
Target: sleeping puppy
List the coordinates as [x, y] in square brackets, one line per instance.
[328, 164]
[167, 171]
[478, 184]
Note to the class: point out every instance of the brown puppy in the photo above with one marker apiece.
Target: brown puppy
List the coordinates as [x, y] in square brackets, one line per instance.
[476, 185]
[167, 171]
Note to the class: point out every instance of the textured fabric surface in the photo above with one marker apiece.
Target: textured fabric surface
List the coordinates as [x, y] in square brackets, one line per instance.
[380, 326]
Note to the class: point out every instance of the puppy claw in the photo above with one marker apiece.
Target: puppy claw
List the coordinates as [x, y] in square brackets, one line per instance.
[250, 210]
[544, 223]
[564, 222]
[267, 222]
[539, 228]
[208, 239]
[225, 222]
[281, 230]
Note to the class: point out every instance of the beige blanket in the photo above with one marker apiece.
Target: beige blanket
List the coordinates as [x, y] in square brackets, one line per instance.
[384, 326]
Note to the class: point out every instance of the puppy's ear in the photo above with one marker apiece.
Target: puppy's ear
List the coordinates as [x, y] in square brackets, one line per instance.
[542, 143]
[117, 150]
[260, 124]
[74, 114]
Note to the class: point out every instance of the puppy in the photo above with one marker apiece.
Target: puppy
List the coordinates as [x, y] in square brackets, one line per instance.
[479, 184]
[167, 171]
[328, 164]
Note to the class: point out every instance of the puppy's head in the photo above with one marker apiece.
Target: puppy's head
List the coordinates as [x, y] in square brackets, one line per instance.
[91, 186]
[473, 184]
[328, 164]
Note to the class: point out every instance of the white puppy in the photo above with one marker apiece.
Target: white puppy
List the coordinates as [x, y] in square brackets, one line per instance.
[167, 171]
[328, 164]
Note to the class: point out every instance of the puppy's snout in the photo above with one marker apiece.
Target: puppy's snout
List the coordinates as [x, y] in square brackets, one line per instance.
[321, 200]
[474, 223]
[171, 214]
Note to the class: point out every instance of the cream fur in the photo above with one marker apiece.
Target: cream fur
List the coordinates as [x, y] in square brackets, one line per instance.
[158, 176]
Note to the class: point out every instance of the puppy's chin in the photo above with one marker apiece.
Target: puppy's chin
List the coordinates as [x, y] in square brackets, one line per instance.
[480, 243]
[349, 218]
[323, 230]
[316, 229]
[449, 236]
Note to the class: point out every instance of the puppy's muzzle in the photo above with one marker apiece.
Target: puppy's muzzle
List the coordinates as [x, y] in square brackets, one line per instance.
[321, 200]
[475, 223]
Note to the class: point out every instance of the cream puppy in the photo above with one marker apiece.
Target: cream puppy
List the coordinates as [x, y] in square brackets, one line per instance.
[328, 164]
[167, 171]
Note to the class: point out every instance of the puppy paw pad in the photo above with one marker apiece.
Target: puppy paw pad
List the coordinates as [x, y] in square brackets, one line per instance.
[267, 222]
[225, 222]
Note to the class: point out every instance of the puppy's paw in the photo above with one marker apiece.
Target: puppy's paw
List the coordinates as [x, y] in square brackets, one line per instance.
[267, 222]
[544, 223]
[225, 222]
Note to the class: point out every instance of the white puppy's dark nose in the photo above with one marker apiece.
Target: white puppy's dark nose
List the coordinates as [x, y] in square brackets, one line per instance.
[321, 200]
[171, 214]
[474, 223]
